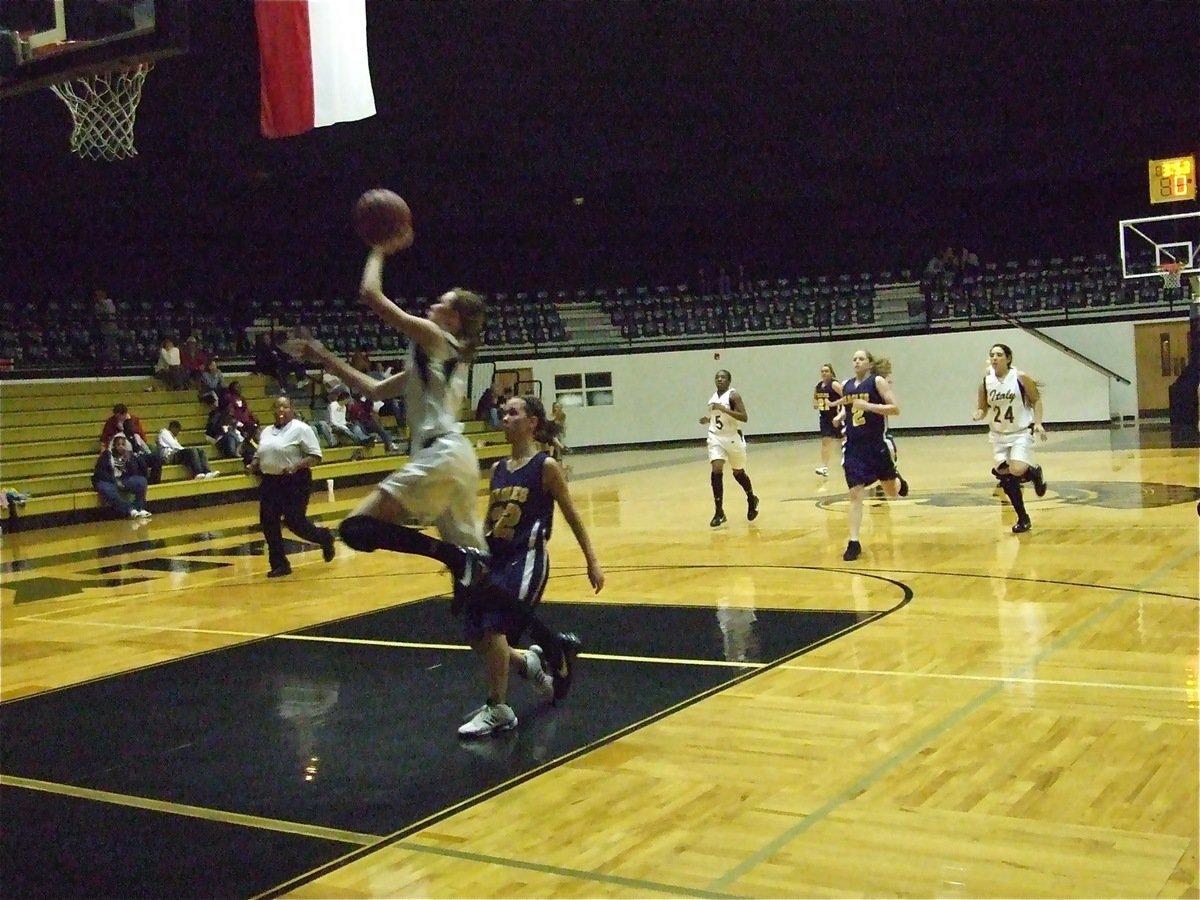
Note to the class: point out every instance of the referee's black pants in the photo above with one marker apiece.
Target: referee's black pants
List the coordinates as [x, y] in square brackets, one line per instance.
[285, 497]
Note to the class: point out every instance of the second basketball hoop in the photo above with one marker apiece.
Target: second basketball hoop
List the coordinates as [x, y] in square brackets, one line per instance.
[1171, 275]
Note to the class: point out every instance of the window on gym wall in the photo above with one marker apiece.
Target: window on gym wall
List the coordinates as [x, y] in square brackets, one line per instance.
[585, 389]
[598, 388]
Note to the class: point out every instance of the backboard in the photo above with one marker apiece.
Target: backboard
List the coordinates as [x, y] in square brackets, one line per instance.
[46, 42]
[1149, 243]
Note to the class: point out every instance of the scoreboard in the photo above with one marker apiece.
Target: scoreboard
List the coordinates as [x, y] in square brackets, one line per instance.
[1173, 179]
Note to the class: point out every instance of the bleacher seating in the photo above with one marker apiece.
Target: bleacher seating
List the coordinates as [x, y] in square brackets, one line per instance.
[52, 336]
[50, 443]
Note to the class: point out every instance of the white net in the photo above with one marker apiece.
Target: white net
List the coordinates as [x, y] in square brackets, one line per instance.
[103, 107]
[1171, 275]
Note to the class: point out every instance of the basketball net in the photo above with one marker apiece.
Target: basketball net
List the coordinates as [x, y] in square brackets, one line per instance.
[1170, 274]
[103, 107]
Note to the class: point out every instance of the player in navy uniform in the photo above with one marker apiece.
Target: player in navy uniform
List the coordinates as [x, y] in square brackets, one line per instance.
[867, 399]
[727, 413]
[883, 368]
[825, 394]
[524, 489]
[1012, 404]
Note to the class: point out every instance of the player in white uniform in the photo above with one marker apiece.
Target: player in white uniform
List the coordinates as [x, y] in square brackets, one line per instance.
[1012, 404]
[439, 483]
[727, 413]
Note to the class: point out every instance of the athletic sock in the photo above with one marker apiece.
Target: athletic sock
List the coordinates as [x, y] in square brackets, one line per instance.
[744, 480]
[1012, 488]
[718, 489]
[367, 533]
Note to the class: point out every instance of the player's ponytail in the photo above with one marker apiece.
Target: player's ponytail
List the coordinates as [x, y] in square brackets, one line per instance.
[546, 429]
[472, 315]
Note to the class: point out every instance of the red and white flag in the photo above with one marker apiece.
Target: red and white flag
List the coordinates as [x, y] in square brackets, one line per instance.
[313, 64]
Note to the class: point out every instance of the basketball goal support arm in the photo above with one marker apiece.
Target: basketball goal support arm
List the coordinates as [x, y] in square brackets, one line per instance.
[1063, 348]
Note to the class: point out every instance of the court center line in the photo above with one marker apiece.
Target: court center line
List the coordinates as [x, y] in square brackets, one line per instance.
[932, 733]
[195, 812]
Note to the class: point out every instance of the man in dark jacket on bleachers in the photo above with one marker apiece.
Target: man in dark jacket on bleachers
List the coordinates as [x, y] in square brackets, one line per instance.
[118, 470]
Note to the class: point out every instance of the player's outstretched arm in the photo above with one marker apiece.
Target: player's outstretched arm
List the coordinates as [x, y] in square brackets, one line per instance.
[556, 485]
[415, 328]
[312, 350]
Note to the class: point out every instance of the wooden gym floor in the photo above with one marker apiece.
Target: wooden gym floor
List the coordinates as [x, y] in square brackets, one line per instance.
[961, 712]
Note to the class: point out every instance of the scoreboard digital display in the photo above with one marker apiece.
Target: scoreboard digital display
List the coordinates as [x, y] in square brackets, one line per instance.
[1173, 179]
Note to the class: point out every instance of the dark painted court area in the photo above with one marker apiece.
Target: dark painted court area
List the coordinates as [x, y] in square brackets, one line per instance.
[326, 729]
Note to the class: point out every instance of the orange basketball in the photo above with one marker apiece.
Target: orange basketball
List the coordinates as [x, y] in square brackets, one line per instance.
[381, 215]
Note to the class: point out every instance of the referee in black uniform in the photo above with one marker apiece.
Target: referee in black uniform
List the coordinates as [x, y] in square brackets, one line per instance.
[286, 454]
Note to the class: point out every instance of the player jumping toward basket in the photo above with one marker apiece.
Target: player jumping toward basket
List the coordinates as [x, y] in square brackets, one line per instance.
[439, 483]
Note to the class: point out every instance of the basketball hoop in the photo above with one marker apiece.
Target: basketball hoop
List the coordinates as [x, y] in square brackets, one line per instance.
[1170, 274]
[103, 107]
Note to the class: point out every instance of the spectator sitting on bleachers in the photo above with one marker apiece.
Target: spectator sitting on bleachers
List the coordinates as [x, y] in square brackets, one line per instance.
[337, 425]
[331, 383]
[117, 470]
[212, 384]
[194, 459]
[235, 404]
[485, 409]
[115, 424]
[967, 264]
[249, 447]
[193, 359]
[140, 448]
[395, 406]
[221, 431]
[270, 360]
[169, 368]
[362, 413]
